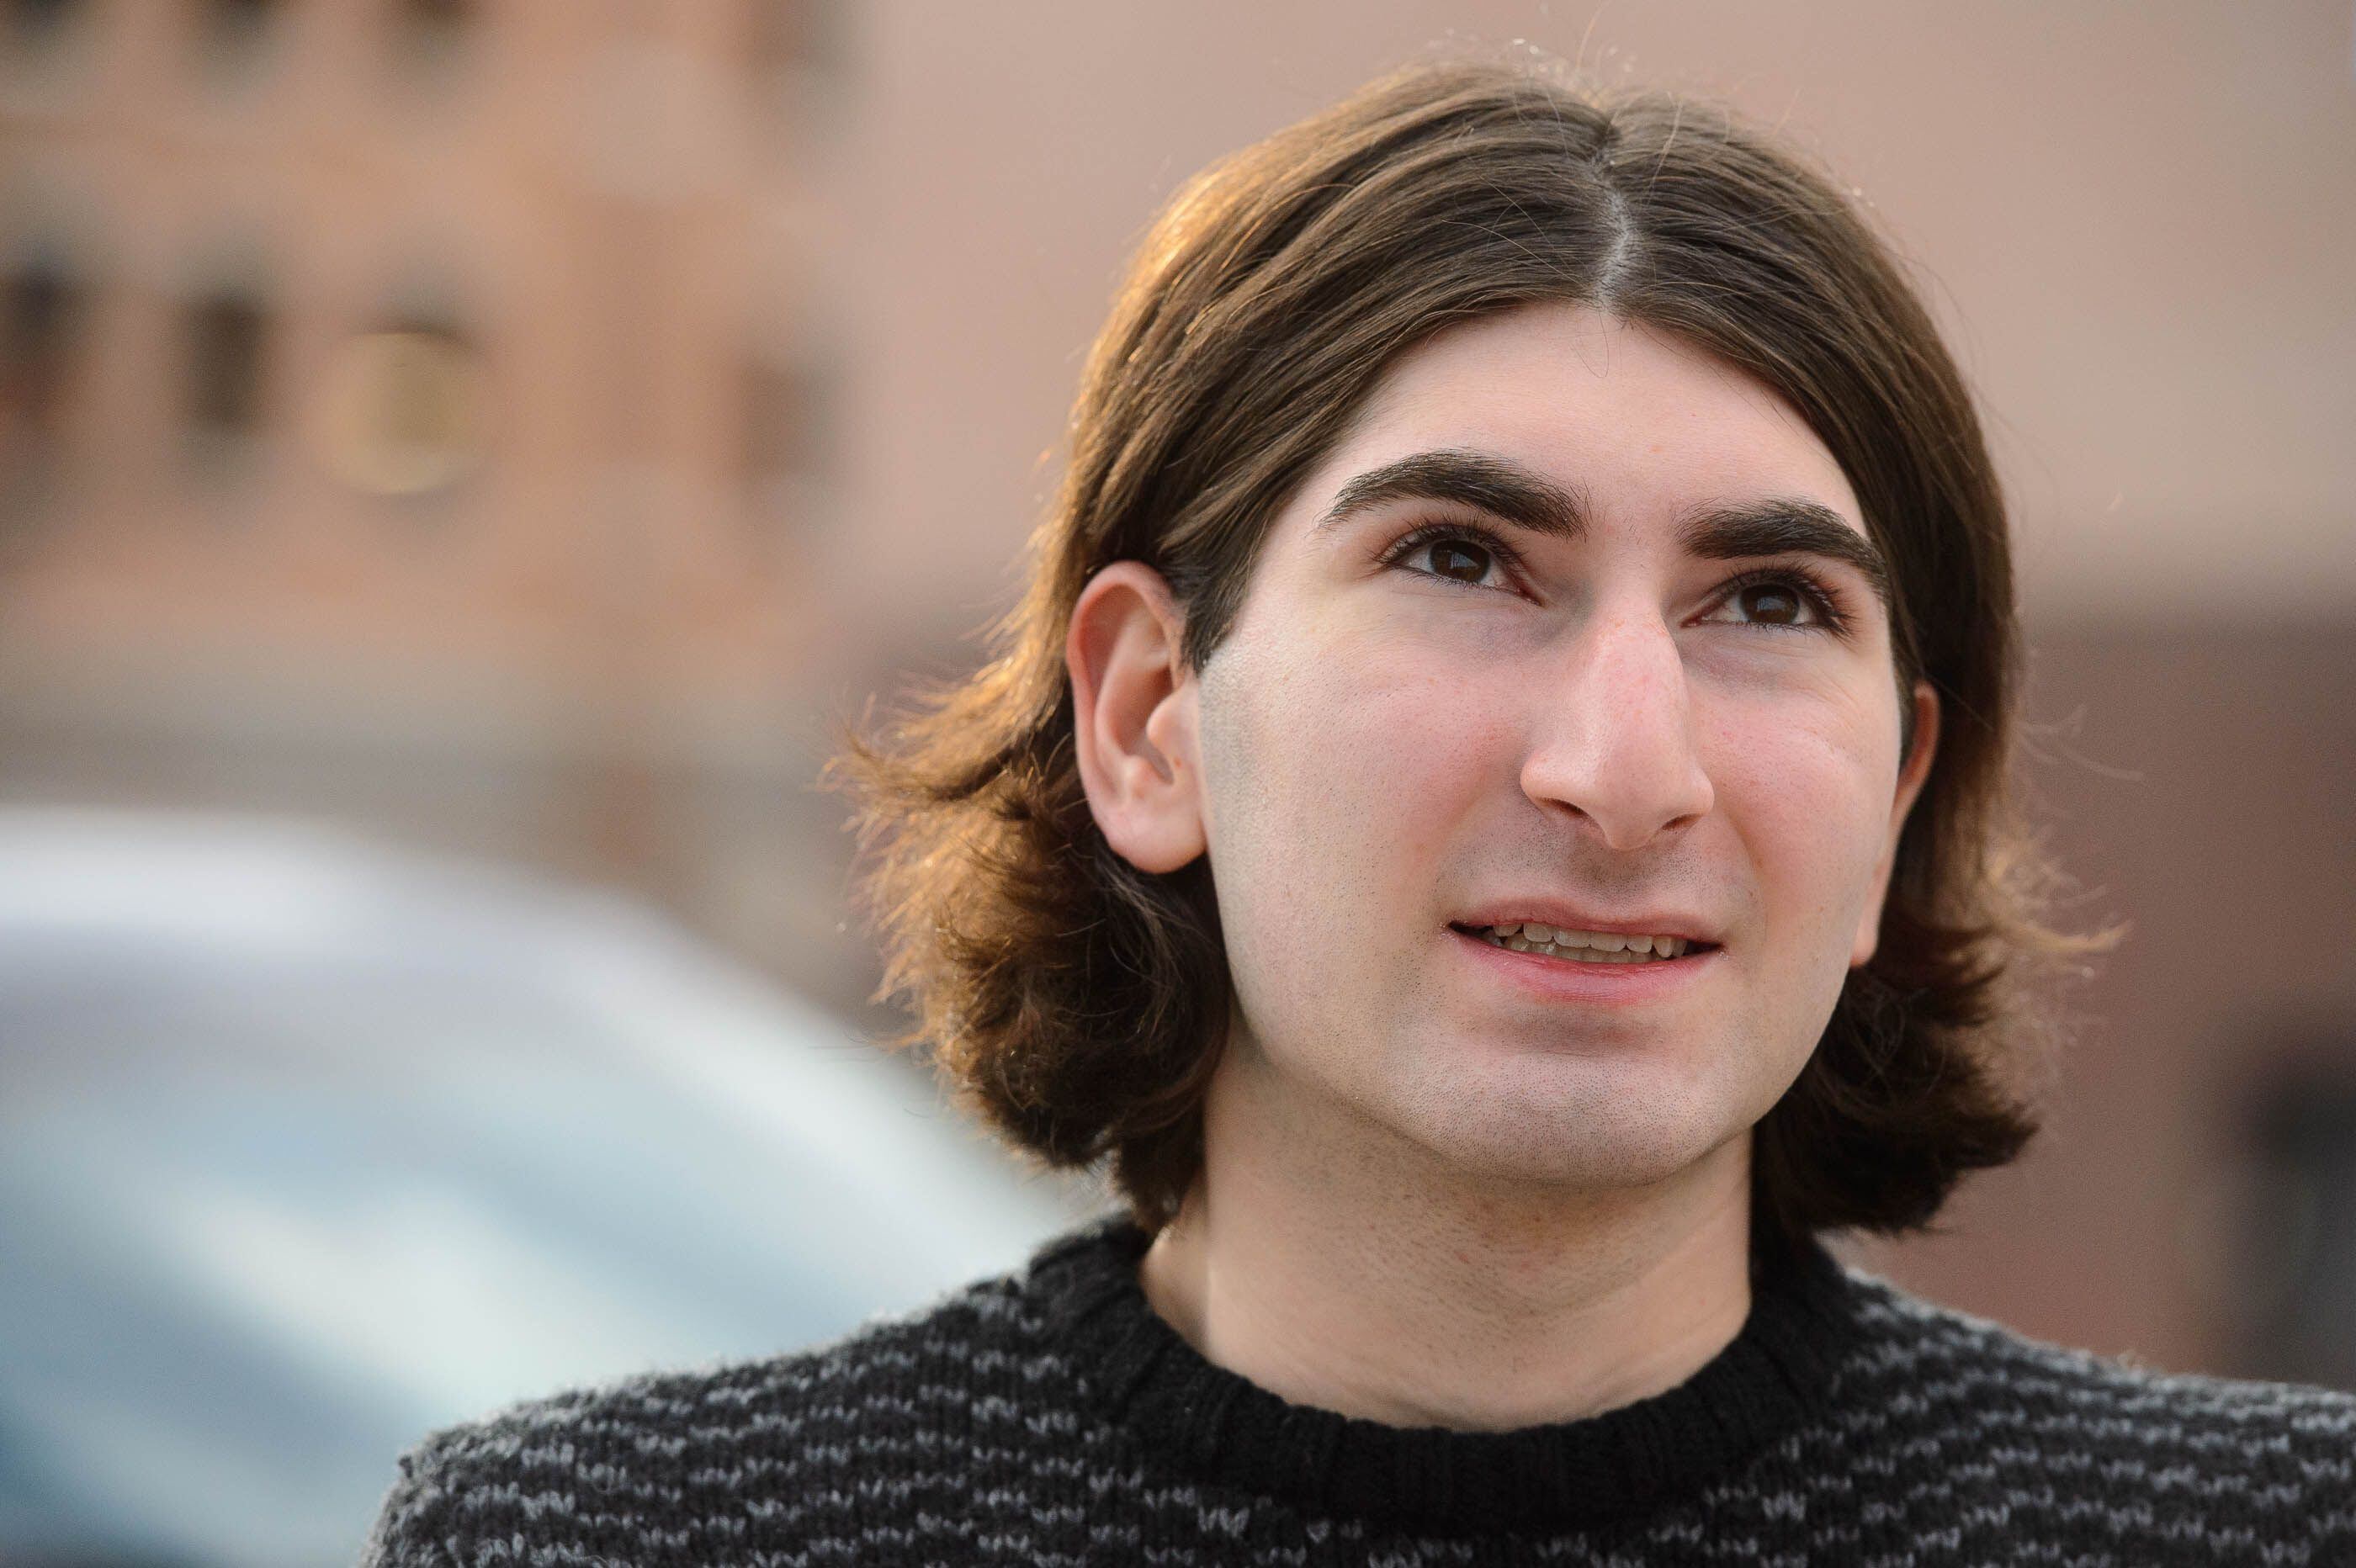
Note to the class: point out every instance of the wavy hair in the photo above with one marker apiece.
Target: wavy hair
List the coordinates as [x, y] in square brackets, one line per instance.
[1079, 1005]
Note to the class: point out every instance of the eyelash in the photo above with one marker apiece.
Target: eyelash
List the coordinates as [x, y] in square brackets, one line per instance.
[1818, 596]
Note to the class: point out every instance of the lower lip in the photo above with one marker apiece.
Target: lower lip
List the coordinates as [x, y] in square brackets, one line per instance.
[1576, 981]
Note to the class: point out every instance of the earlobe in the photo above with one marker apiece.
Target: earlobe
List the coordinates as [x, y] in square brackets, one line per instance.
[1913, 772]
[1133, 717]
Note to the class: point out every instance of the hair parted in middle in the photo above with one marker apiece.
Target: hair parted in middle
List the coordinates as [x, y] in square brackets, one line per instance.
[1080, 1005]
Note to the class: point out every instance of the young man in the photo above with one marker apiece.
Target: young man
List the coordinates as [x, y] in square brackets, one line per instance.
[1489, 822]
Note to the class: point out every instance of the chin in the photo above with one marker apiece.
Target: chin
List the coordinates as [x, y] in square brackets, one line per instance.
[1614, 1141]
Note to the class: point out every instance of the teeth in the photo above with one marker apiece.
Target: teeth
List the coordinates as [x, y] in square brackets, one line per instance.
[1585, 947]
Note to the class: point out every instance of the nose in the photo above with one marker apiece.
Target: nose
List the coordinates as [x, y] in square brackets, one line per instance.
[1612, 737]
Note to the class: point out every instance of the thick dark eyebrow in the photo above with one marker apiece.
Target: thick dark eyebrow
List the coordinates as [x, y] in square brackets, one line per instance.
[1506, 490]
[1784, 525]
[1503, 489]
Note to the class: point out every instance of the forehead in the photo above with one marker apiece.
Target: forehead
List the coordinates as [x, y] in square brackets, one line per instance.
[1641, 423]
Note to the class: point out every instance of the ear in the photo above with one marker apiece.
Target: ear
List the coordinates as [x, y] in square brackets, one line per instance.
[1911, 775]
[1133, 717]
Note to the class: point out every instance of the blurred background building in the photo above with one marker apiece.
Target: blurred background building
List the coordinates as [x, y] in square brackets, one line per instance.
[419, 411]
[520, 427]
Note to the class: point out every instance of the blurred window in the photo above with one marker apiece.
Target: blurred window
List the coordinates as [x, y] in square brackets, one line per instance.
[791, 37]
[794, 66]
[227, 340]
[790, 403]
[233, 32]
[37, 24]
[428, 36]
[44, 309]
[2295, 1270]
[405, 411]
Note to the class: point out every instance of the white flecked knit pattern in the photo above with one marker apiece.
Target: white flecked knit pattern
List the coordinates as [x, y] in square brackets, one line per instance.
[959, 1434]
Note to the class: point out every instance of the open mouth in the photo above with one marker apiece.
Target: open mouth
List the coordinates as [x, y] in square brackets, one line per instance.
[1585, 947]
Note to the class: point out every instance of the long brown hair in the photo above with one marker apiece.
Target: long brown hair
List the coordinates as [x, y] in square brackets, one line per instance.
[1079, 1004]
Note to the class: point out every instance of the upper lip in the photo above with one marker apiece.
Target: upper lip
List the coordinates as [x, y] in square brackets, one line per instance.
[1564, 917]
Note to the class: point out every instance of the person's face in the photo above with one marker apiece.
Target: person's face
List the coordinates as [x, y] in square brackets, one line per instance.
[1668, 707]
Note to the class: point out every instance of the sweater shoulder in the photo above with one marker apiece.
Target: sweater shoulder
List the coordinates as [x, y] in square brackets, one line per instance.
[680, 1465]
[1909, 1338]
[1976, 1400]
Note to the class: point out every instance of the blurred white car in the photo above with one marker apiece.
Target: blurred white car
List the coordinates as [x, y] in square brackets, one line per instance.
[308, 1146]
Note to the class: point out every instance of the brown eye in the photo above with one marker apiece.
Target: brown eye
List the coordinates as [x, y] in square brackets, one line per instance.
[1770, 603]
[1465, 562]
[1461, 553]
[1787, 599]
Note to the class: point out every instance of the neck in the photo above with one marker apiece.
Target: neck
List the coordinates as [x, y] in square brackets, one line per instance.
[1356, 1274]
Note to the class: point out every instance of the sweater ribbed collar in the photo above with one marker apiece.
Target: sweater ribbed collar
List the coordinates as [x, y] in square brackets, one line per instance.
[1220, 1427]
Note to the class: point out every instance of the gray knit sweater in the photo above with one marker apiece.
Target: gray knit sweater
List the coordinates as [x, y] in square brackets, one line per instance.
[1050, 1416]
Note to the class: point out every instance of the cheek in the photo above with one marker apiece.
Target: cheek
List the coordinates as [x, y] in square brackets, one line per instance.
[1806, 780]
[1333, 770]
